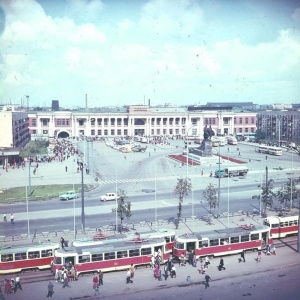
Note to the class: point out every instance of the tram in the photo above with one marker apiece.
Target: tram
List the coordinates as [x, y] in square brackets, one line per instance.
[223, 241]
[18, 258]
[118, 255]
[281, 227]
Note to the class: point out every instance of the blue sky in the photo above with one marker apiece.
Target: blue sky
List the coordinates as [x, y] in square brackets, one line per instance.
[122, 52]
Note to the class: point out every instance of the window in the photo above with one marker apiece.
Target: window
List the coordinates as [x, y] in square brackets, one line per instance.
[92, 122]
[241, 120]
[33, 122]
[34, 131]
[119, 122]
[83, 258]
[6, 257]
[214, 242]
[92, 132]
[244, 238]
[99, 132]
[109, 255]
[97, 257]
[234, 239]
[119, 132]
[112, 122]
[224, 241]
[146, 251]
[252, 120]
[57, 260]
[122, 254]
[21, 255]
[125, 132]
[246, 120]
[179, 246]
[291, 223]
[295, 222]
[135, 252]
[105, 122]
[254, 236]
[203, 244]
[99, 121]
[246, 130]
[34, 254]
[234, 120]
[275, 225]
[46, 253]
[44, 122]
[105, 132]
[45, 131]
[240, 130]
[112, 132]
[81, 122]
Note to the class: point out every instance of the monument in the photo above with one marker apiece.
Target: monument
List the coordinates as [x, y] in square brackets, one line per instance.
[205, 149]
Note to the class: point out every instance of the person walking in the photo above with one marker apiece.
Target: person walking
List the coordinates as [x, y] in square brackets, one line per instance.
[50, 289]
[166, 271]
[95, 281]
[100, 277]
[207, 280]
[12, 219]
[221, 265]
[128, 277]
[62, 243]
[243, 256]
[258, 259]
[132, 269]
[207, 262]
[18, 283]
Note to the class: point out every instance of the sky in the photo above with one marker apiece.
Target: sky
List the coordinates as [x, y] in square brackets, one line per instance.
[126, 52]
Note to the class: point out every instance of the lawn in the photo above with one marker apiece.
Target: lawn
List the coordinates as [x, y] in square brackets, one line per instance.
[38, 192]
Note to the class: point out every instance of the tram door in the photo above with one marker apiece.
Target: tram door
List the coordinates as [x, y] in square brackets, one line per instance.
[69, 259]
[191, 246]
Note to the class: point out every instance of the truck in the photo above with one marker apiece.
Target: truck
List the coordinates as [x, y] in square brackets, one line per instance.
[232, 171]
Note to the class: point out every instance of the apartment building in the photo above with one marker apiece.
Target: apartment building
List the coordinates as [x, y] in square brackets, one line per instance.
[141, 120]
[280, 125]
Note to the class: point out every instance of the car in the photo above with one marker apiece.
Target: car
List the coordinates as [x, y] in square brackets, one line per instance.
[68, 195]
[109, 197]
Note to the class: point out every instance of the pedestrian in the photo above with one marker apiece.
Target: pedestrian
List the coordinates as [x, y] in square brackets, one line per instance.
[243, 256]
[7, 287]
[258, 258]
[97, 290]
[273, 250]
[128, 277]
[100, 277]
[4, 218]
[239, 153]
[50, 289]
[95, 281]
[166, 272]
[66, 169]
[12, 219]
[131, 268]
[66, 279]
[18, 283]
[173, 272]
[62, 243]
[207, 279]
[221, 265]
[207, 262]
[268, 250]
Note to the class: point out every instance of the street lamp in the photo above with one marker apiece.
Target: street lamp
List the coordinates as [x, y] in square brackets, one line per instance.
[82, 199]
[219, 183]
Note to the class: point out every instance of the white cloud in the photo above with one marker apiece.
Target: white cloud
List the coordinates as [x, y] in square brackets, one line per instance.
[296, 15]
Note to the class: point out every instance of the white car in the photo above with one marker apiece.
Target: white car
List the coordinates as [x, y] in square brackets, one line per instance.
[68, 195]
[109, 197]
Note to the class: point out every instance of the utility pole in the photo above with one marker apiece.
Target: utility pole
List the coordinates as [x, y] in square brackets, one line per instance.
[219, 183]
[82, 200]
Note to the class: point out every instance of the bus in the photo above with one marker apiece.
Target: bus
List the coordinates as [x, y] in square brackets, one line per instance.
[27, 257]
[281, 227]
[115, 256]
[270, 150]
[223, 241]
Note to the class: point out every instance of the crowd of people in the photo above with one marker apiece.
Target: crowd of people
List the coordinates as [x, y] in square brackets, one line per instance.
[12, 285]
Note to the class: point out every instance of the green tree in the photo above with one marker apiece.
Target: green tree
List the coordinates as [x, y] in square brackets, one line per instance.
[267, 195]
[210, 194]
[260, 135]
[124, 208]
[289, 191]
[182, 189]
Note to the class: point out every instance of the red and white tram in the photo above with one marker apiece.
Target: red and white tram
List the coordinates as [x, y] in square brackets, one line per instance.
[118, 255]
[223, 241]
[281, 227]
[25, 257]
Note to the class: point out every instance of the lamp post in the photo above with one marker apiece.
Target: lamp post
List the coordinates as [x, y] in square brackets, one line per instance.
[27, 210]
[219, 183]
[82, 199]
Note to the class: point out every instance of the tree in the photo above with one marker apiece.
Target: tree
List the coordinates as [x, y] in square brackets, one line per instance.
[182, 188]
[289, 191]
[124, 208]
[210, 194]
[267, 195]
[260, 135]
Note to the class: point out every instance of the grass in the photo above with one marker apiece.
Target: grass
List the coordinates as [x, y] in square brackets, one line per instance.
[38, 192]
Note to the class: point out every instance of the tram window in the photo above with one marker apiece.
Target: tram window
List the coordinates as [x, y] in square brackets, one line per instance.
[234, 239]
[34, 254]
[173, 238]
[203, 244]
[224, 241]
[214, 242]
[20, 256]
[275, 225]
[254, 236]
[46, 253]
[295, 222]
[291, 223]
[146, 251]
[122, 254]
[135, 252]
[6, 257]
[180, 246]
[244, 238]
[281, 224]
[97, 257]
[83, 258]
[57, 260]
[167, 238]
[109, 255]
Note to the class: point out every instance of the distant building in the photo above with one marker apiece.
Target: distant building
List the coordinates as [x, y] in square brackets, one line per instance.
[280, 125]
[55, 105]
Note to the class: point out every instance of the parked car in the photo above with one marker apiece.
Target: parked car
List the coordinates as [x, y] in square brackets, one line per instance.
[108, 197]
[68, 195]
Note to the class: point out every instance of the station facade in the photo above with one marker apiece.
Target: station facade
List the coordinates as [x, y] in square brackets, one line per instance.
[142, 120]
